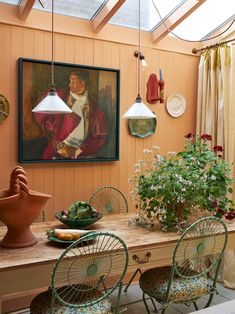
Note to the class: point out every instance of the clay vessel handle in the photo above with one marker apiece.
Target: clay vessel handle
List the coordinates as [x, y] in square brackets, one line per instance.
[18, 181]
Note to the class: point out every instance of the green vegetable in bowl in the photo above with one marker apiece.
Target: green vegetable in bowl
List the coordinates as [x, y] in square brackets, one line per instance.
[79, 210]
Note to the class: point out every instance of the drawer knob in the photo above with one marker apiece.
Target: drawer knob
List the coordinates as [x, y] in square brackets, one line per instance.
[139, 260]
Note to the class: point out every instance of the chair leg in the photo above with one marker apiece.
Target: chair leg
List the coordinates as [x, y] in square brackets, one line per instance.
[210, 300]
[155, 308]
[52, 302]
[145, 303]
[195, 305]
[133, 276]
[116, 310]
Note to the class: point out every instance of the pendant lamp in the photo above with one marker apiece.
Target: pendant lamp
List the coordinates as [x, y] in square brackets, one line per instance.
[52, 103]
[138, 110]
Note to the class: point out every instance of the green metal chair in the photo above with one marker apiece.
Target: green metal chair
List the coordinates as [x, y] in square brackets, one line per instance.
[186, 280]
[84, 276]
[109, 200]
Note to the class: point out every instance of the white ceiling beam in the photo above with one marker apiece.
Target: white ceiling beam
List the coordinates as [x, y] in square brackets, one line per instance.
[106, 13]
[180, 14]
[25, 7]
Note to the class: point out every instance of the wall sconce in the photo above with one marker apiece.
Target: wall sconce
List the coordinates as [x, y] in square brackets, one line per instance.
[139, 54]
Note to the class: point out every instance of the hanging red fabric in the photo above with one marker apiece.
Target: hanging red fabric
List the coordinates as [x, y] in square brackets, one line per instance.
[152, 95]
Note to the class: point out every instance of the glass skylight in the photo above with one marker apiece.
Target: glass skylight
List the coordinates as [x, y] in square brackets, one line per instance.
[127, 15]
[210, 15]
[77, 8]
[15, 2]
[205, 19]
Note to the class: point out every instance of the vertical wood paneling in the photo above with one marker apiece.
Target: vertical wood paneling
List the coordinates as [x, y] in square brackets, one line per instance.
[15, 53]
[68, 182]
[5, 84]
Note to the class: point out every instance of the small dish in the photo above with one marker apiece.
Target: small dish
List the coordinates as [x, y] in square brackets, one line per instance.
[142, 127]
[78, 223]
[176, 105]
[55, 239]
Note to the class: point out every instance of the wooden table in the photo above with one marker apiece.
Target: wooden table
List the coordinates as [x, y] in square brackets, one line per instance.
[29, 268]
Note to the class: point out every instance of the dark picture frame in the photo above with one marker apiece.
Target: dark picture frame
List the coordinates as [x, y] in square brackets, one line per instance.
[90, 133]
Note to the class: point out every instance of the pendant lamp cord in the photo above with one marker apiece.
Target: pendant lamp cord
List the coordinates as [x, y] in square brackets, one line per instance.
[138, 59]
[52, 47]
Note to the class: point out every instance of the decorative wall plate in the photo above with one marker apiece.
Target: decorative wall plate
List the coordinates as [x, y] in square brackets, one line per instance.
[176, 105]
[142, 127]
[4, 108]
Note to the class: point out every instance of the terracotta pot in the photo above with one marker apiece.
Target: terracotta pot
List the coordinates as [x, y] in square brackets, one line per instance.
[19, 208]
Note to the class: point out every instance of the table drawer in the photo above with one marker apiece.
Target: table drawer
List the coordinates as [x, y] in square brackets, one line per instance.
[151, 257]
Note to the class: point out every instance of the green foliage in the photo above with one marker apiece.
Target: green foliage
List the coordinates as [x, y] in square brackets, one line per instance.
[170, 188]
[79, 210]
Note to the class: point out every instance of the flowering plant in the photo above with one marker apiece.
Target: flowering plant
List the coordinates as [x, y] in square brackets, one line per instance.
[168, 189]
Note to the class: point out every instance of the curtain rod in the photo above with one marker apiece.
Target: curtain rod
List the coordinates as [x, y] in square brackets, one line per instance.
[196, 50]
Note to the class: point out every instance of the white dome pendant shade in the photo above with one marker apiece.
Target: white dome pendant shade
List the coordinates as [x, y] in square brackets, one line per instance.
[139, 111]
[52, 103]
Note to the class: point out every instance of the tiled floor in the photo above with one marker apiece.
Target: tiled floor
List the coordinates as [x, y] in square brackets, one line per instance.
[134, 294]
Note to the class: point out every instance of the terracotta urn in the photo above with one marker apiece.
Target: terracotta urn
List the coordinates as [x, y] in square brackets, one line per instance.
[19, 208]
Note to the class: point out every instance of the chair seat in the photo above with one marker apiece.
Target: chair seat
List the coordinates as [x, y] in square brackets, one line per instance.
[154, 282]
[41, 304]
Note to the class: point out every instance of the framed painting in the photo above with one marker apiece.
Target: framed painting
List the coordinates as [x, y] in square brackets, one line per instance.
[89, 133]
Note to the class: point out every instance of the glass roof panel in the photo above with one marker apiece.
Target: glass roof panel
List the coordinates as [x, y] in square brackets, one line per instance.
[15, 2]
[77, 8]
[200, 23]
[127, 15]
[205, 19]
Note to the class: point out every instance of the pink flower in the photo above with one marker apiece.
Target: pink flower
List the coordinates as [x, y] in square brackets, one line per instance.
[217, 149]
[230, 215]
[189, 135]
[206, 137]
[214, 203]
[220, 211]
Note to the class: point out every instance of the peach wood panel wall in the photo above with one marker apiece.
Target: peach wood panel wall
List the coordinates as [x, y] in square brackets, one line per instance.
[69, 182]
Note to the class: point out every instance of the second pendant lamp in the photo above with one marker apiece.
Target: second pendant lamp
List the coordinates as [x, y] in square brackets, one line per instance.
[52, 103]
[138, 110]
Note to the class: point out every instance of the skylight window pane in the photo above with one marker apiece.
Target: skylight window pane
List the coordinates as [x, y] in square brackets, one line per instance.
[15, 2]
[128, 14]
[205, 19]
[77, 8]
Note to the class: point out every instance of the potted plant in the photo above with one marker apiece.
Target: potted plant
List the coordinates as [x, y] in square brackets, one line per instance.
[169, 190]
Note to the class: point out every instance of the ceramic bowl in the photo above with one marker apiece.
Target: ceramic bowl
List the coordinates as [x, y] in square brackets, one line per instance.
[78, 223]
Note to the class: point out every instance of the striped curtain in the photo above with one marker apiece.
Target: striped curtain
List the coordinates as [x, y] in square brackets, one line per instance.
[216, 116]
[216, 99]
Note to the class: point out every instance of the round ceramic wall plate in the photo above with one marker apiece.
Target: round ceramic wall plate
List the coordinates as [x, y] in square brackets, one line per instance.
[176, 105]
[4, 108]
[142, 127]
